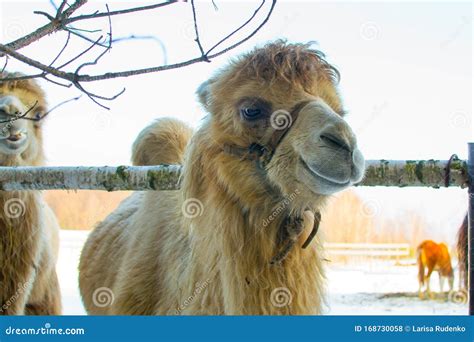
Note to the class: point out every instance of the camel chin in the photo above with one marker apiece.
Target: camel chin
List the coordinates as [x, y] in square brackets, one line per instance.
[332, 175]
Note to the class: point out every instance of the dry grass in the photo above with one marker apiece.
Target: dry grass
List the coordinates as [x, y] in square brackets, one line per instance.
[83, 209]
[347, 219]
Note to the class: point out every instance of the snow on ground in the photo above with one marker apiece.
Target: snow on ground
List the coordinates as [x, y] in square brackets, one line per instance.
[372, 288]
[386, 289]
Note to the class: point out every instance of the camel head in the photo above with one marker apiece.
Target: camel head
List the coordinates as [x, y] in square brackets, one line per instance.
[279, 106]
[22, 103]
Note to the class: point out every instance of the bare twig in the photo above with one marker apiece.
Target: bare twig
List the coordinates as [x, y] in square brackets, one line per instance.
[110, 75]
[34, 63]
[67, 85]
[43, 31]
[83, 30]
[62, 50]
[196, 31]
[59, 11]
[63, 17]
[238, 29]
[5, 65]
[253, 33]
[153, 38]
[92, 96]
[54, 108]
[94, 43]
[53, 4]
[120, 12]
[73, 31]
[47, 15]
[24, 115]
[18, 116]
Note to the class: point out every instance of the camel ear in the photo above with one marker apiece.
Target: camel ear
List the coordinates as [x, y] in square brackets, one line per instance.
[204, 93]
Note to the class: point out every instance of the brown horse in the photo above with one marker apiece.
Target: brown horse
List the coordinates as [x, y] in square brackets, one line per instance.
[434, 257]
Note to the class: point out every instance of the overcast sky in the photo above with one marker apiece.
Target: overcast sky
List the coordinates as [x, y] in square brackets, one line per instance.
[406, 73]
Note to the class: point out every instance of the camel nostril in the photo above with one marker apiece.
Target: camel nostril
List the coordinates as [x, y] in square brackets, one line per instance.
[335, 142]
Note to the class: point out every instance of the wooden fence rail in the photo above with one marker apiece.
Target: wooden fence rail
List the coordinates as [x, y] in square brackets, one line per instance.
[427, 173]
[368, 249]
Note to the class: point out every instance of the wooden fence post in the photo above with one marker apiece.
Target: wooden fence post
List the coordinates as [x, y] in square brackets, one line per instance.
[470, 231]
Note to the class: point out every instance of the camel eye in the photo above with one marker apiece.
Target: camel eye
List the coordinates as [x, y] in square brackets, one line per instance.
[253, 109]
[251, 113]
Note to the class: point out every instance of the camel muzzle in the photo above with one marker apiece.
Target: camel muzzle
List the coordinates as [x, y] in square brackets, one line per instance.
[340, 166]
[262, 154]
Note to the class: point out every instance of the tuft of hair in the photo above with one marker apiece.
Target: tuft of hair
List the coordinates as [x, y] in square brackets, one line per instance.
[24, 88]
[162, 142]
[291, 63]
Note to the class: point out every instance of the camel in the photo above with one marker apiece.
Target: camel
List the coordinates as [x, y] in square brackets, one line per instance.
[235, 239]
[29, 230]
[432, 256]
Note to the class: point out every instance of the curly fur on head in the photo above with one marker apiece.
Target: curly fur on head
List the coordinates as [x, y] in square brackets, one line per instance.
[294, 64]
[32, 98]
[27, 89]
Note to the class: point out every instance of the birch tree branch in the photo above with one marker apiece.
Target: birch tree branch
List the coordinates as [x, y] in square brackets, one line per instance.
[109, 178]
[62, 20]
[426, 173]
[420, 173]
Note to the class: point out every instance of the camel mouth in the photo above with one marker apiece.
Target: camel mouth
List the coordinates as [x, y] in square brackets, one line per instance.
[321, 184]
[13, 144]
[325, 178]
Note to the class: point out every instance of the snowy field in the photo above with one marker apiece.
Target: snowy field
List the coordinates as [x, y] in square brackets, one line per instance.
[386, 289]
[374, 288]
